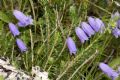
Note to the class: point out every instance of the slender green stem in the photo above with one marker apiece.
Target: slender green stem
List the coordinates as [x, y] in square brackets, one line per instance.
[99, 7]
[11, 4]
[55, 41]
[92, 56]
[32, 45]
[77, 57]
[32, 6]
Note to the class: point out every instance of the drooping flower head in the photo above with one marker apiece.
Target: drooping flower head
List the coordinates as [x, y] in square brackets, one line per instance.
[14, 30]
[115, 24]
[81, 34]
[116, 15]
[115, 20]
[118, 23]
[108, 71]
[96, 24]
[22, 18]
[92, 23]
[21, 45]
[100, 25]
[71, 46]
[87, 29]
[116, 32]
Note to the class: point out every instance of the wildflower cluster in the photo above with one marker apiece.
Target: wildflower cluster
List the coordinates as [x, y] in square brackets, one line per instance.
[115, 18]
[23, 21]
[87, 29]
[85, 32]
[109, 71]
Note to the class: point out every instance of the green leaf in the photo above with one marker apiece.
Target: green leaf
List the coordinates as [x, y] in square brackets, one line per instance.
[115, 62]
[118, 78]
[4, 17]
[1, 77]
[51, 60]
[1, 27]
[113, 23]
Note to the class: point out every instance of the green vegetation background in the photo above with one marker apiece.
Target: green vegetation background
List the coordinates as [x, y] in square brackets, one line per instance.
[54, 20]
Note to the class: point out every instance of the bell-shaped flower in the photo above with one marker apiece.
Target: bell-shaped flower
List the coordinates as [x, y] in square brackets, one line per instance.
[116, 32]
[108, 71]
[116, 15]
[92, 23]
[14, 30]
[81, 34]
[87, 29]
[118, 23]
[100, 25]
[21, 45]
[71, 46]
[22, 18]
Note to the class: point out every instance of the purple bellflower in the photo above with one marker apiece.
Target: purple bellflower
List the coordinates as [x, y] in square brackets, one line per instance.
[71, 46]
[87, 28]
[81, 34]
[96, 24]
[115, 15]
[108, 71]
[92, 23]
[100, 25]
[22, 18]
[14, 30]
[118, 23]
[116, 32]
[21, 45]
